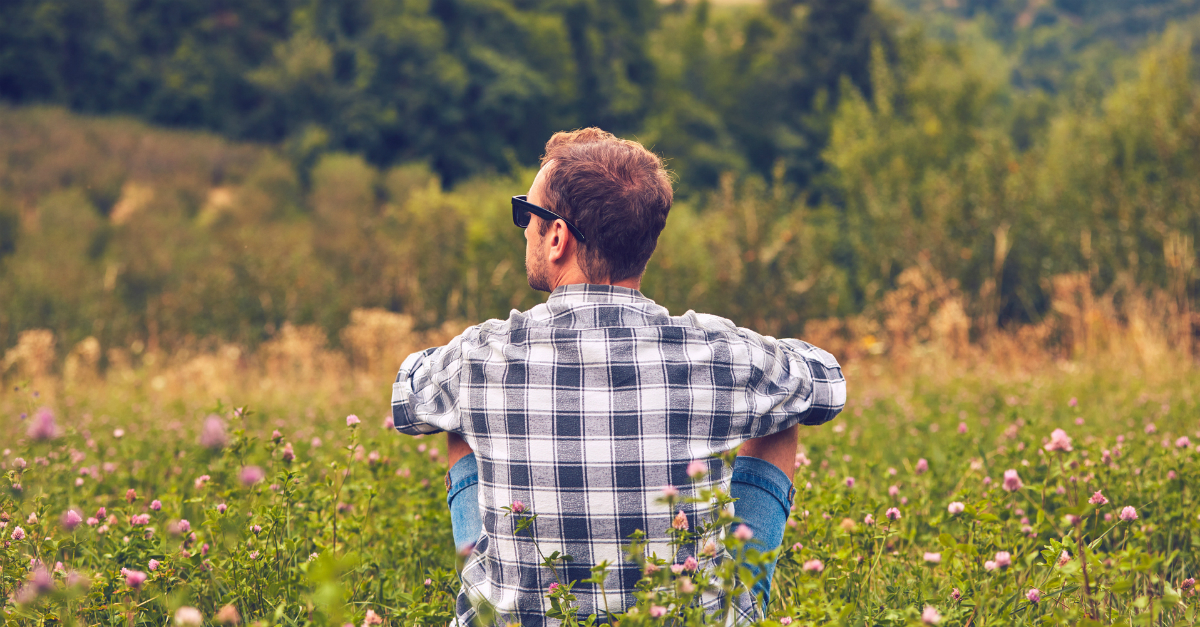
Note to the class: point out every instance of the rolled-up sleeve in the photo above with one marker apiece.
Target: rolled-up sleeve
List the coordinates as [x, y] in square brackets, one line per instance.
[799, 383]
[425, 394]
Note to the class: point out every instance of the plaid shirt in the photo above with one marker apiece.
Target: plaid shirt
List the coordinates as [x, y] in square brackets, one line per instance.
[583, 408]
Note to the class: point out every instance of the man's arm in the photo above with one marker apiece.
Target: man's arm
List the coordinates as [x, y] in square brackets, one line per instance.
[778, 448]
[425, 394]
[457, 448]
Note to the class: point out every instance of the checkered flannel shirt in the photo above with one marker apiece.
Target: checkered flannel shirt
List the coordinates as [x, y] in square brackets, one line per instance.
[583, 408]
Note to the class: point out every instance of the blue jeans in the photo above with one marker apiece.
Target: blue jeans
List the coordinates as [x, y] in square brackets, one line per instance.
[763, 492]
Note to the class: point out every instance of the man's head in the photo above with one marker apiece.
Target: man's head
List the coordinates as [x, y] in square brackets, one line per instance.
[615, 191]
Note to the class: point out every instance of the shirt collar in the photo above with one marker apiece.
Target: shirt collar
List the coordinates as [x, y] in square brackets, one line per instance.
[593, 293]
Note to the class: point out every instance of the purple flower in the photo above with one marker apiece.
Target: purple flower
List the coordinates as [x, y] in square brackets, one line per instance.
[962, 427]
[1098, 499]
[134, 578]
[184, 525]
[657, 611]
[1003, 559]
[849, 482]
[813, 566]
[956, 507]
[892, 513]
[221, 508]
[1034, 595]
[251, 475]
[42, 426]
[139, 519]
[289, 455]
[518, 507]
[930, 616]
[1059, 441]
[1183, 442]
[212, 433]
[691, 564]
[680, 522]
[868, 520]
[71, 519]
[670, 491]
[922, 466]
[153, 564]
[352, 420]
[956, 594]
[553, 587]
[1128, 513]
[156, 505]
[696, 469]
[933, 558]
[1012, 482]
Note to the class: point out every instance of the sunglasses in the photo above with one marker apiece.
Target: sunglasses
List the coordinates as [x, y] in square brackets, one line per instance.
[522, 208]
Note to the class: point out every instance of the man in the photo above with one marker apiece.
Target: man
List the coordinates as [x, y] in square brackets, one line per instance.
[583, 408]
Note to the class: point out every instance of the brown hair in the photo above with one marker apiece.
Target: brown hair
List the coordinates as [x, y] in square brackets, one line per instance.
[616, 192]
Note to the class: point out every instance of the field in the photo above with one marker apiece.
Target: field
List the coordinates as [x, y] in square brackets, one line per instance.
[232, 491]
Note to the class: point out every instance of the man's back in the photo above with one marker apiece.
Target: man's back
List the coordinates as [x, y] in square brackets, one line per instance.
[582, 410]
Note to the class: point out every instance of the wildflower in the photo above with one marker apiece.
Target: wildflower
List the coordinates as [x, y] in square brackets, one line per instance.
[849, 482]
[657, 611]
[710, 549]
[1183, 442]
[188, 616]
[1012, 482]
[184, 526]
[372, 619]
[1108, 517]
[1034, 595]
[221, 508]
[212, 433]
[933, 558]
[1063, 558]
[352, 420]
[651, 568]
[1059, 441]
[893, 490]
[686, 586]
[227, 615]
[892, 513]
[1079, 422]
[19, 463]
[1150, 428]
[553, 587]
[156, 505]
[987, 481]
[201, 481]
[955, 594]
[518, 507]
[152, 564]
[43, 427]
[930, 616]
[696, 469]
[1003, 559]
[786, 620]
[78, 481]
[956, 507]
[251, 475]
[868, 520]
[1187, 584]
[670, 491]
[253, 555]
[256, 529]
[990, 565]
[71, 519]
[962, 427]
[922, 466]
[680, 522]
[1128, 513]
[891, 472]
[813, 566]
[139, 519]
[1098, 499]
[102, 529]
[691, 564]
[802, 460]
[797, 546]
[289, 454]
[134, 578]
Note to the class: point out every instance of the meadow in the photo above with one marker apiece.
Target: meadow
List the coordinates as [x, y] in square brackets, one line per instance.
[233, 487]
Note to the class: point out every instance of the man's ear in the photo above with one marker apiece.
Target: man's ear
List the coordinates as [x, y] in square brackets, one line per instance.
[557, 245]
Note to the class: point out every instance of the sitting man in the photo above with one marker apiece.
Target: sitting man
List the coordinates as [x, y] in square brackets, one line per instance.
[583, 408]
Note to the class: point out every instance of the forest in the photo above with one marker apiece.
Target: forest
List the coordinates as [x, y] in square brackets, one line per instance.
[183, 170]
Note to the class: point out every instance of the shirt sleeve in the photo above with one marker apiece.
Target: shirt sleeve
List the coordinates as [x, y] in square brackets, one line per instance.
[425, 394]
[793, 382]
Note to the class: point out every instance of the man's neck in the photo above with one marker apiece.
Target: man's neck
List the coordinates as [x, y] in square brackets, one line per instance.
[574, 276]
